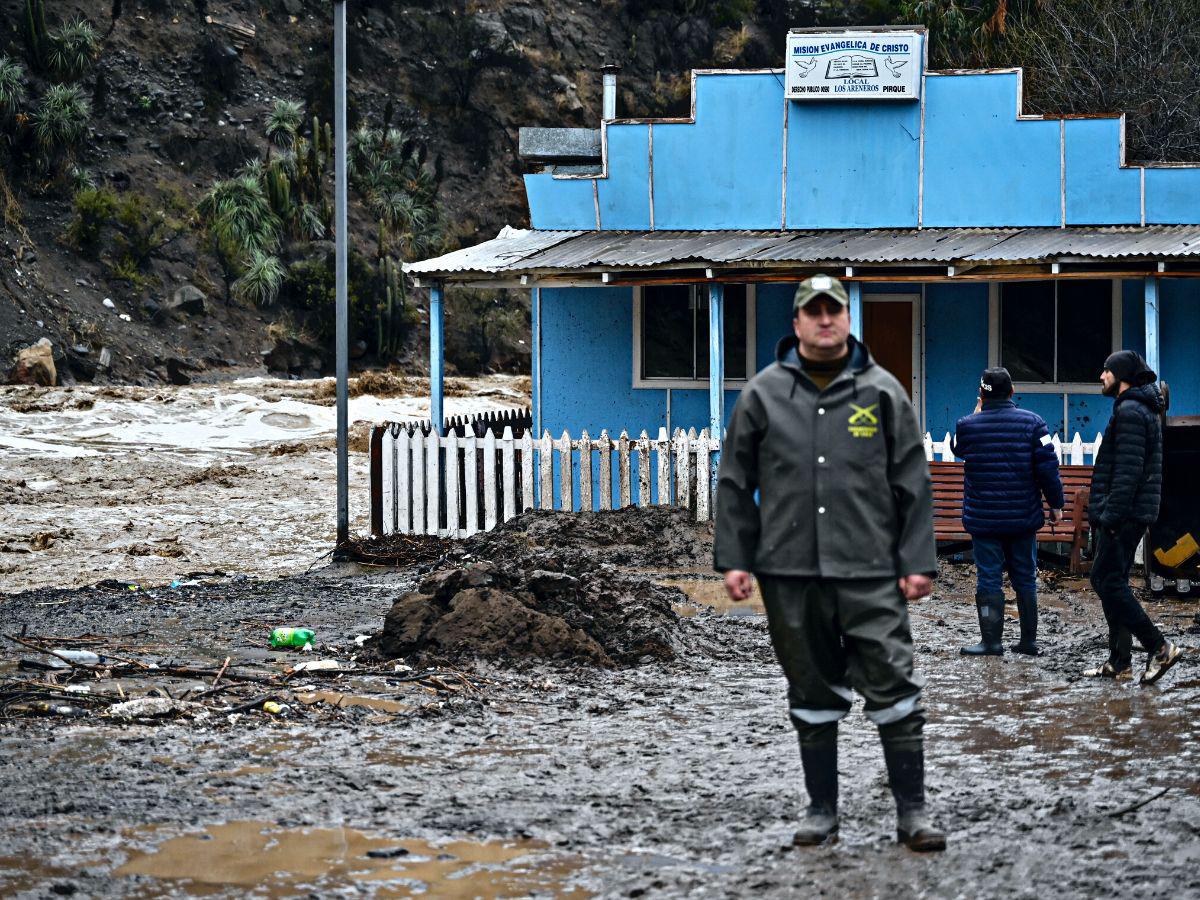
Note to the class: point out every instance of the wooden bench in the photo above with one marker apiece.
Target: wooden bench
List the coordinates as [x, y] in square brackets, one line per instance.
[1071, 529]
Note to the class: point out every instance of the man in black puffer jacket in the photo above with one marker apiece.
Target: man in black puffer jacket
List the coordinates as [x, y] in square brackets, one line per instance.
[1126, 489]
[1010, 465]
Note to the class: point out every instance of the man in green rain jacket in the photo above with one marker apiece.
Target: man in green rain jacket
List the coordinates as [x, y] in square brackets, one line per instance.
[824, 495]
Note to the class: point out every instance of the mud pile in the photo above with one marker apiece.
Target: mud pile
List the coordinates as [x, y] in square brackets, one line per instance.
[652, 537]
[560, 607]
[655, 538]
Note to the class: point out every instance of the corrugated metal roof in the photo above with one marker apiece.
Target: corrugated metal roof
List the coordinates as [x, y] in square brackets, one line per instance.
[516, 252]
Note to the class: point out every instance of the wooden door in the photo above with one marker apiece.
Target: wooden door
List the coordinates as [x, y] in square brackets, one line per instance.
[888, 333]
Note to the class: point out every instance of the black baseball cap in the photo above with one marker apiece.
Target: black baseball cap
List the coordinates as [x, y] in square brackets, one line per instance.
[996, 382]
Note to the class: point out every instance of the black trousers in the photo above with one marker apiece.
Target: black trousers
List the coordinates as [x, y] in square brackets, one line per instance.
[1110, 580]
[837, 636]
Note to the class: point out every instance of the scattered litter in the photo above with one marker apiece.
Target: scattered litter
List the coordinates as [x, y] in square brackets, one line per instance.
[317, 665]
[176, 584]
[361, 639]
[78, 689]
[292, 637]
[275, 708]
[149, 707]
[108, 304]
[125, 317]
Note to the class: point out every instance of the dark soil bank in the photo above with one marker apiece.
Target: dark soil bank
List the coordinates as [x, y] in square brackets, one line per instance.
[674, 776]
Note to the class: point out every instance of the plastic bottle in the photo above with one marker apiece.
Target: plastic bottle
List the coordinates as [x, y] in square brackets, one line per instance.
[83, 657]
[292, 637]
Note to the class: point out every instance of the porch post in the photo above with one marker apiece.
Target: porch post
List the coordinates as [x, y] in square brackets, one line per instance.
[716, 360]
[856, 309]
[437, 358]
[535, 359]
[1150, 286]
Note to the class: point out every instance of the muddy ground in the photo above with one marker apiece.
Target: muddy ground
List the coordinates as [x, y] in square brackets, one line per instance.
[466, 777]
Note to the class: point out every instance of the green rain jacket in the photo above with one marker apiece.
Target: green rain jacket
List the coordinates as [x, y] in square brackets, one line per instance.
[842, 485]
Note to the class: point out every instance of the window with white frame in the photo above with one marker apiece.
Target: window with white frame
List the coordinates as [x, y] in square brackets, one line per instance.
[671, 335]
[1057, 332]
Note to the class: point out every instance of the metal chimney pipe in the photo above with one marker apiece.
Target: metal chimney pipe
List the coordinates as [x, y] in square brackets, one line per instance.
[610, 70]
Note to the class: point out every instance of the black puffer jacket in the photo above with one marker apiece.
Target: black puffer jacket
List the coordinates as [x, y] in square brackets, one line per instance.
[1127, 479]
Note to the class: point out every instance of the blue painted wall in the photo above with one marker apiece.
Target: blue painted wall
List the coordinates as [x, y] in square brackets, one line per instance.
[1179, 327]
[857, 164]
[956, 351]
[724, 171]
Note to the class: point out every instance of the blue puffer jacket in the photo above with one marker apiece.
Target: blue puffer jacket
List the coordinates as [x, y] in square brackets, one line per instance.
[1010, 465]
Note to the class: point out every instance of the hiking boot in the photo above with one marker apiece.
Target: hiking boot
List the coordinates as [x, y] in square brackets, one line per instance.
[1160, 661]
[990, 608]
[1027, 609]
[1108, 670]
[820, 822]
[916, 831]
[906, 773]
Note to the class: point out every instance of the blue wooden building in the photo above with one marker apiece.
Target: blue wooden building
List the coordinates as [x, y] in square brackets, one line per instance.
[664, 253]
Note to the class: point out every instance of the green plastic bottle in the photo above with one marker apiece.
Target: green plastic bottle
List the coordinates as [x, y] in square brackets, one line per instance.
[292, 637]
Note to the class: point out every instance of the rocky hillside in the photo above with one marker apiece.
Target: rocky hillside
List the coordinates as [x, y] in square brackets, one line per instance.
[135, 152]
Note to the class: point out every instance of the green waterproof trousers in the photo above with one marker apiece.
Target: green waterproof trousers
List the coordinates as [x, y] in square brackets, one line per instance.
[836, 636]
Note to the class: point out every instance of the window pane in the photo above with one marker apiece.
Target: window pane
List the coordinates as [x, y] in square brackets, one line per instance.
[1084, 329]
[1027, 330]
[667, 331]
[735, 331]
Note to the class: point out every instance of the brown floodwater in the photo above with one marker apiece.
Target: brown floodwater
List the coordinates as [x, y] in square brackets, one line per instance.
[280, 862]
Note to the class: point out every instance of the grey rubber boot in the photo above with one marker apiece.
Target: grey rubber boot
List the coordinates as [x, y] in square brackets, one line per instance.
[914, 824]
[1027, 607]
[990, 608]
[820, 822]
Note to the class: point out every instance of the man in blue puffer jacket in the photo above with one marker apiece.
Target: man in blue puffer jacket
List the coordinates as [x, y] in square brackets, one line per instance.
[1010, 466]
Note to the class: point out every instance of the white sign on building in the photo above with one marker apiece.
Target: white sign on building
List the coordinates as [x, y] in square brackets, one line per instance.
[854, 65]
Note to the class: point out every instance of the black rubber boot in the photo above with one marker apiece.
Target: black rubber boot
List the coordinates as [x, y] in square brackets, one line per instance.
[991, 626]
[914, 825]
[820, 822]
[1027, 607]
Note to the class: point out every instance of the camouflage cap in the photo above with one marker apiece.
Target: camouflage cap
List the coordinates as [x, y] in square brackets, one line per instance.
[819, 286]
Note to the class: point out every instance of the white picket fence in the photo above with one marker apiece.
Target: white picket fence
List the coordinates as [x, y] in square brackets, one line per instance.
[456, 486]
[1071, 454]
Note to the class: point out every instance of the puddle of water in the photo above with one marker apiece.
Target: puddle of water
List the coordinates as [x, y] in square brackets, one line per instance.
[711, 593]
[277, 861]
[333, 698]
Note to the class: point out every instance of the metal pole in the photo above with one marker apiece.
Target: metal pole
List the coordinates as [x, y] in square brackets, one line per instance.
[716, 367]
[536, 367]
[437, 357]
[1151, 303]
[339, 227]
[856, 308]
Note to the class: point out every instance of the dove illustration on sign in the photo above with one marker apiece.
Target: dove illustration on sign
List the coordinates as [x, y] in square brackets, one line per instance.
[805, 66]
[895, 65]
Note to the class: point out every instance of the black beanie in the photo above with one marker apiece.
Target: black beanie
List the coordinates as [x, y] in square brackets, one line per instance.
[1128, 366]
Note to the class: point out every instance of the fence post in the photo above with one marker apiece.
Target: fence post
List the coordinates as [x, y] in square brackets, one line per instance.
[403, 481]
[418, 482]
[623, 464]
[663, 447]
[585, 472]
[508, 489]
[928, 441]
[643, 449]
[471, 483]
[606, 447]
[947, 449]
[703, 492]
[1096, 447]
[1077, 450]
[566, 495]
[452, 505]
[489, 480]
[527, 471]
[1057, 447]
[682, 482]
[546, 467]
[433, 472]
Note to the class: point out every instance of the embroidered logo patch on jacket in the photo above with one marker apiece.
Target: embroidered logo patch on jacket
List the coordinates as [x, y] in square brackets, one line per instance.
[863, 423]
